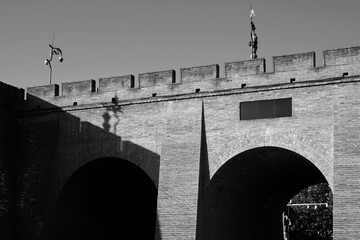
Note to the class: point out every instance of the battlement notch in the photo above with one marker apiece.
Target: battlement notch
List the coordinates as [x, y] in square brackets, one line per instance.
[44, 92]
[78, 88]
[294, 62]
[245, 68]
[111, 83]
[157, 78]
[341, 56]
[201, 73]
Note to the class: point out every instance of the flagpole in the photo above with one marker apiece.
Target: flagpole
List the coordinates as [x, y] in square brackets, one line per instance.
[253, 37]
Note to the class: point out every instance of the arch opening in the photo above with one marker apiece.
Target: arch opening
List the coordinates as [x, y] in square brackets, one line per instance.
[246, 197]
[106, 199]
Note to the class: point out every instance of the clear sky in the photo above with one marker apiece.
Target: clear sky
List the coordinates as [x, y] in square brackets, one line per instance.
[103, 38]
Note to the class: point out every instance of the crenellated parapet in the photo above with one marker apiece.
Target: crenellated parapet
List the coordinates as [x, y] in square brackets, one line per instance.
[287, 69]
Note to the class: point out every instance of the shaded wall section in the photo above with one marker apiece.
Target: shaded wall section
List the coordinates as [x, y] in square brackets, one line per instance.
[10, 97]
[54, 144]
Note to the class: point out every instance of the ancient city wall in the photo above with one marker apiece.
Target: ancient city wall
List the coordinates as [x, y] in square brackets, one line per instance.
[170, 127]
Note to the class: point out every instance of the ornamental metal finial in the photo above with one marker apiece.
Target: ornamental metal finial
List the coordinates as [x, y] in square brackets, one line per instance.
[56, 51]
[253, 37]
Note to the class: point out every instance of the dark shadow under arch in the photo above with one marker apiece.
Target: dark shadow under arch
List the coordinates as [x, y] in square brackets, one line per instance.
[246, 197]
[107, 198]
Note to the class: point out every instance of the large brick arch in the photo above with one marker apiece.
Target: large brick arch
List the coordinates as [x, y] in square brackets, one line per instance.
[123, 151]
[301, 145]
[102, 182]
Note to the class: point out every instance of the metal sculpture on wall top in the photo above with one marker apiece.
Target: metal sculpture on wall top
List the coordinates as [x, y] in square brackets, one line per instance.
[253, 37]
[56, 51]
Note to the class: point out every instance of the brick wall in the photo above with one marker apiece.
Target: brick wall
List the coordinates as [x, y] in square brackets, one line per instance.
[179, 171]
[346, 162]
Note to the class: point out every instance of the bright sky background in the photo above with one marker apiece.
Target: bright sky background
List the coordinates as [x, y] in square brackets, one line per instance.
[103, 38]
